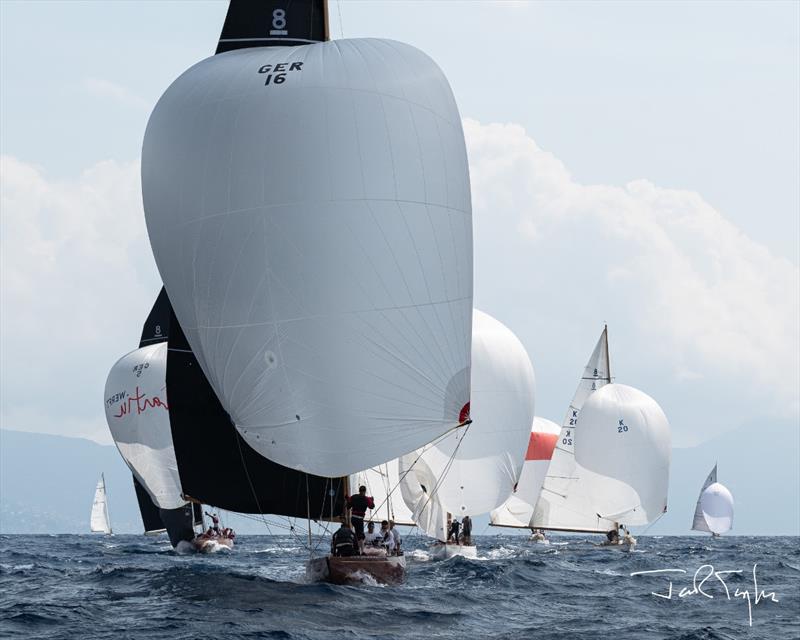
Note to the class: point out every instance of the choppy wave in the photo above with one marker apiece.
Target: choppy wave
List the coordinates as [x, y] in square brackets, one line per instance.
[133, 587]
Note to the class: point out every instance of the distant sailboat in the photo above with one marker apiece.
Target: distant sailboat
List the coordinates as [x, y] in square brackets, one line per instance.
[100, 522]
[714, 510]
[517, 511]
[472, 471]
[611, 463]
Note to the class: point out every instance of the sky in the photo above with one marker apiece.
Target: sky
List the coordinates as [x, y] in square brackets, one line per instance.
[631, 163]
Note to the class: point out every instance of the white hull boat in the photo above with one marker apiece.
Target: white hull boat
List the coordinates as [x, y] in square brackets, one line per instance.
[444, 551]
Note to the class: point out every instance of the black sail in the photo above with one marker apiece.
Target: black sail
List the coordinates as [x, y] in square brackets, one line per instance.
[218, 467]
[155, 330]
[151, 518]
[249, 23]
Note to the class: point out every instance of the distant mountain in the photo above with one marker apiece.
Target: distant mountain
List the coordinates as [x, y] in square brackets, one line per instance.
[47, 483]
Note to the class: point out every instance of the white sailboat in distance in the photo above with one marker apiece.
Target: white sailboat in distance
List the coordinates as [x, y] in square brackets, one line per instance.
[714, 510]
[100, 522]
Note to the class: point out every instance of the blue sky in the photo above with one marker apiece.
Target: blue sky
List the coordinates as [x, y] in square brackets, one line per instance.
[635, 163]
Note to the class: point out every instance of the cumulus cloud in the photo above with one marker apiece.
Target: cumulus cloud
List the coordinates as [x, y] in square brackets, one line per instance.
[77, 278]
[706, 302]
[701, 316]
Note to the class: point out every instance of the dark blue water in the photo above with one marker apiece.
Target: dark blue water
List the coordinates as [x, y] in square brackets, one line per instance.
[72, 586]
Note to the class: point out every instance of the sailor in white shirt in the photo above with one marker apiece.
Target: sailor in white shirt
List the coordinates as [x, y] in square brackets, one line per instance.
[371, 537]
[396, 535]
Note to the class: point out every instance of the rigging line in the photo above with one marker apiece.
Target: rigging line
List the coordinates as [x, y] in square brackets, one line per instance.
[427, 447]
[341, 24]
[249, 480]
[660, 515]
[446, 469]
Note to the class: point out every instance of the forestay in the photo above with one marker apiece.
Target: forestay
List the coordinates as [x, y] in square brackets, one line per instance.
[625, 440]
[475, 469]
[309, 212]
[564, 502]
[100, 522]
[137, 413]
[699, 522]
[517, 511]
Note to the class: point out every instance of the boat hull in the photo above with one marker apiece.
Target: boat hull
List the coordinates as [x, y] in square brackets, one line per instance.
[445, 551]
[353, 569]
[213, 545]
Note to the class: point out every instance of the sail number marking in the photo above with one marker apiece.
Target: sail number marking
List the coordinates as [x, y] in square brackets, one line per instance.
[622, 427]
[567, 439]
[278, 23]
[276, 73]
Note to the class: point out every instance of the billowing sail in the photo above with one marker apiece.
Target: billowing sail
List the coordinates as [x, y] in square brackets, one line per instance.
[418, 486]
[716, 503]
[564, 502]
[475, 469]
[699, 522]
[517, 511]
[137, 413]
[382, 483]
[100, 522]
[208, 447]
[625, 442]
[309, 212]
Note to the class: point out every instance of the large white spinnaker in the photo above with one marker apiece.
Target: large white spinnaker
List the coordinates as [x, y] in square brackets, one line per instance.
[474, 470]
[137, 413]
[565, 502]
[382, 483]
[309, 212]
[699, 522]
[625, 442]
[517, 511]
[100, 521]
[717, 505]
[714, 510]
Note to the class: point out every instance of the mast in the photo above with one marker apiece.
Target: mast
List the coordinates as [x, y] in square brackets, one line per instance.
[608, 359]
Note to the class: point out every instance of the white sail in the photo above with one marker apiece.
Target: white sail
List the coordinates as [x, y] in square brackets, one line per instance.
[517, 511]
[137, 413]
[625, 441]
[475, 469]
[716, 503]
[564, 502]
[699, 522]
[309, 212]
[418, 489]
[100, 522]
[383, 484]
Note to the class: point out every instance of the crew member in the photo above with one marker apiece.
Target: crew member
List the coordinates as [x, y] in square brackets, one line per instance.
[359, 503]
[372, 537]
[395, 536]
[343, 542]
[387, 538]
[453, 533]
[214, 522]
[466, 530]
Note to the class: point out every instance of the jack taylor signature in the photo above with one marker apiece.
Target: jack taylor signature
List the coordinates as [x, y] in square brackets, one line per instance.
[707, 572]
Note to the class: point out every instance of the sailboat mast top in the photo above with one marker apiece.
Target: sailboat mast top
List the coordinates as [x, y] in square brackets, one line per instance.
[273, 23]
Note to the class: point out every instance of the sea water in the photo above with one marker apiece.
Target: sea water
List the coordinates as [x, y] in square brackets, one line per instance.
[124, 586]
